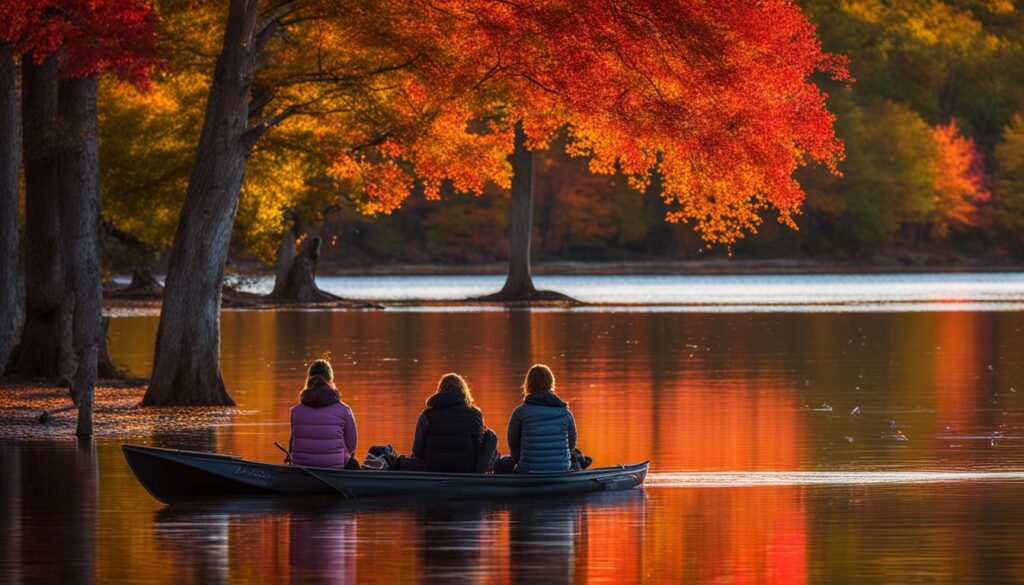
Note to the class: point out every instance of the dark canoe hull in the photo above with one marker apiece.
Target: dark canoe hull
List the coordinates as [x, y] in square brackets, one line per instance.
[178, 476]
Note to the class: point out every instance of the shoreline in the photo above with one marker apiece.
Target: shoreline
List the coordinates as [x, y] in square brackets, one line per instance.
[117, 302]
[145, 307]
[719, 266]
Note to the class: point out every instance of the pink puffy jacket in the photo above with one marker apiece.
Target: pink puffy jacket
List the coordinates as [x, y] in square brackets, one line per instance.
[323, 429]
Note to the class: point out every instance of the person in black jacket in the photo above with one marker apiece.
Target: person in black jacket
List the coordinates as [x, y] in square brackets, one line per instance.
[450, 434]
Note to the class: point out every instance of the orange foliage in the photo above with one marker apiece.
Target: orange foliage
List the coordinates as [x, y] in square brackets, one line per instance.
[959, 180]
[708, 94]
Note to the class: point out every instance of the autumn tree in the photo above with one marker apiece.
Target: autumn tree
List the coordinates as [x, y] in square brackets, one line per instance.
[719, 105]
[144, 181]
[369, 72]
[908, 180]
[1008, 212]
[66, 45]
[960, 182]
[21, 34]
[943, 59]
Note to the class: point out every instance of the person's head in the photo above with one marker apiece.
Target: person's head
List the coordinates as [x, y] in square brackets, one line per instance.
[455, 383]
[539, 379]
[320, 374]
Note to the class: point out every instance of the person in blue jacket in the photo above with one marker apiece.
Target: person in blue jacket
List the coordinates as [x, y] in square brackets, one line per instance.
[541, 431]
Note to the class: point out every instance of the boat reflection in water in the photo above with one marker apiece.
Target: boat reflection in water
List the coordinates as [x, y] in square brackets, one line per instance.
[326, 540]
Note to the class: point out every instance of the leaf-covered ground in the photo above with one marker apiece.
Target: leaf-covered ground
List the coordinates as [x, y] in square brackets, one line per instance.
[117, 413]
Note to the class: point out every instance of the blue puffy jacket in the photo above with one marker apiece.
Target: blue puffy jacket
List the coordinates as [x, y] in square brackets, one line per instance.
[541, 432]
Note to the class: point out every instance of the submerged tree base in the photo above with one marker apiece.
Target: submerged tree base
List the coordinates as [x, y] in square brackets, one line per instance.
[527, 297]
[143, 284]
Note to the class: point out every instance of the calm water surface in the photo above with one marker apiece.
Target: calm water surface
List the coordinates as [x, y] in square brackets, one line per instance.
[747, 292]
[785, 448]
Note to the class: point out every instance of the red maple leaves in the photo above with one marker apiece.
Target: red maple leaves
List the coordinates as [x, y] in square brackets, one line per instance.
[88, 36]
[718, 97]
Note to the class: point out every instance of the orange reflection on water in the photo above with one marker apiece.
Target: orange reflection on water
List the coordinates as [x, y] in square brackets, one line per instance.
[958, 344]
[729, 534]
[690, 392]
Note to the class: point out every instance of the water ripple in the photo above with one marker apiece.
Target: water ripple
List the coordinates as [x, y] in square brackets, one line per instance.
[729, 479]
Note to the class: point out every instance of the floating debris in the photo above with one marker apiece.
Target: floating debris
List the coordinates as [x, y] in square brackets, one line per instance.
[855, 411]
[898, 436]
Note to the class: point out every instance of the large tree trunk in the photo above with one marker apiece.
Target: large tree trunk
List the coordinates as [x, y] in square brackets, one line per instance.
[39, 353]
[519, 282]
[10, 167]
[80, 220]
[186, 364]
[658, 236]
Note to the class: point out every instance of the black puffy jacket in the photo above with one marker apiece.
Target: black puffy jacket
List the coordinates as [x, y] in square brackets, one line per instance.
[448, 434]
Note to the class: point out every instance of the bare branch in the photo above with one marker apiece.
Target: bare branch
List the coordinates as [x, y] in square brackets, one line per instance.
[538, 84]
[490, 73]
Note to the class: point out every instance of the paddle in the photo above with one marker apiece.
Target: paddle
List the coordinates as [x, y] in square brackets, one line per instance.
[342, 491]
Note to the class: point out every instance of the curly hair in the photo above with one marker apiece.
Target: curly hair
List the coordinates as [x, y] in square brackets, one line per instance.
[453, 382]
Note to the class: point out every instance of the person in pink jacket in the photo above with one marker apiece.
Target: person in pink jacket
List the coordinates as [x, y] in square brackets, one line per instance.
[323, 427]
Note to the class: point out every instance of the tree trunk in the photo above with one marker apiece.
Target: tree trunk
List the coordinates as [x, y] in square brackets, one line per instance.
[105, 367]
[143, 283]
[10, 168]
[39, 353]
[80, 220]
[186, 364]
[287, 251]
[300, 283]
[519, 282]
[658, 236]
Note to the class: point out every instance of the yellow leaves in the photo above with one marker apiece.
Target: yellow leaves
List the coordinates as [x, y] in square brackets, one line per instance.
[928, 23]
[1001, 6]
[1008, 212]
[144, 179]
[1010, 150]
[274, 179]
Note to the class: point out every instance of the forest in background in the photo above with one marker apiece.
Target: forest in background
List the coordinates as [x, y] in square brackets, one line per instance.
[934, 165]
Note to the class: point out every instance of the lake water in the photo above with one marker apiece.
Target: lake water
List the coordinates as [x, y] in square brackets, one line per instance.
[753, 292]
[786, 447]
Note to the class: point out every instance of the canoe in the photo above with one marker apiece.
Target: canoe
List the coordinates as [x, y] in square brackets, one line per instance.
[171, 476]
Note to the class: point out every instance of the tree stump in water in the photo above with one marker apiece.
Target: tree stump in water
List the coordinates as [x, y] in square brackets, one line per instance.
[143, 284]
[300, 282]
